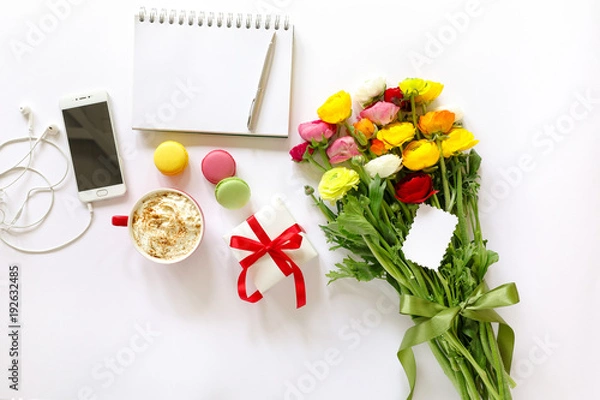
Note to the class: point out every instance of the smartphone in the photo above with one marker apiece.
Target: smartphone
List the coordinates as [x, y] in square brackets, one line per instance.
[93, 146]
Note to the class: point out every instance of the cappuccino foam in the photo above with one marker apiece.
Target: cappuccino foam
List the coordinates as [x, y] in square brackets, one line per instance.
[167, 226]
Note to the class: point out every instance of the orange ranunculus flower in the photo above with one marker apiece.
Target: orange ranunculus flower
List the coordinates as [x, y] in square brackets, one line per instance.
[336, 109]
[436, 121]
[458, 140]
[365, 126]
[420, 154]
[377, 147]
[396, 134]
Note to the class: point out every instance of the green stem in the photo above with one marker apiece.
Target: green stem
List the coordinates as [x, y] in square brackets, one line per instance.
[392, 192]
[330, 215]
[435, 288]
[460, 379]
[483, 336]
[467, 374]
[453, 340]
[416, 272]
[385, 208]
[324, 157]
[444, 176]
[413, 110]
[462, 223]
[477, 229]
[412, 271]
[497, 363]
[435, 201]
[388, 266]
[451, 372]
[316, 164]
[446, 288]
[464, 391]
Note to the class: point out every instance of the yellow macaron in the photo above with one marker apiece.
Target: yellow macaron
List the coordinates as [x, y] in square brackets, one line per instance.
[170, 157]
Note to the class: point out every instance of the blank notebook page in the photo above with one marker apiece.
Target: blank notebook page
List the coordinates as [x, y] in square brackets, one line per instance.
[199, 78]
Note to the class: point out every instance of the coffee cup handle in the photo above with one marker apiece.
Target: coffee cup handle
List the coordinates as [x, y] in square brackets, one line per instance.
[120, 220]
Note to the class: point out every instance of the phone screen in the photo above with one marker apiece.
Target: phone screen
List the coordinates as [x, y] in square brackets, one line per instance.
[93, 147]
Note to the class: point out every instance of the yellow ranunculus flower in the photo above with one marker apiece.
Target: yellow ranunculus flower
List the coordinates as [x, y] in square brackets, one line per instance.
[420, 154]
[337, 108]
[436, 121]
[458, 140]
[336, 182]
[412, 86]
[424, 91]
[433, 91]
[396, 134]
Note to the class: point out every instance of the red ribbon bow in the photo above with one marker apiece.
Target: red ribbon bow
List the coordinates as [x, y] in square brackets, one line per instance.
[290, 239]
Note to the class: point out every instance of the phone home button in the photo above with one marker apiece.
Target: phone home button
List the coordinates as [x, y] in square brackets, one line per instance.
[101, 192]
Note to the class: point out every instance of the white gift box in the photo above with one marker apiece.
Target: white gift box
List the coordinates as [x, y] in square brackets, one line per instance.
[264, 273]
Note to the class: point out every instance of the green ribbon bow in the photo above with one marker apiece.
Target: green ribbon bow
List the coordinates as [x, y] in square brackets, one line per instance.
[436, 319]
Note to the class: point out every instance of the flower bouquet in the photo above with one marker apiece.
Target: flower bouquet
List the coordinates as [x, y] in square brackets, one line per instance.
[379, 169]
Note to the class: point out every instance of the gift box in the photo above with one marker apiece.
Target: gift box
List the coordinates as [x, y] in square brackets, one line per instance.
[270, 246]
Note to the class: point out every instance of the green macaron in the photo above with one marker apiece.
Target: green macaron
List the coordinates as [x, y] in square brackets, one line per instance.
[232, 192]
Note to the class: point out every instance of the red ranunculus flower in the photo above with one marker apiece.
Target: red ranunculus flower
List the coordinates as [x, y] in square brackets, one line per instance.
[393, 95]
[415, 188]
[297, 152]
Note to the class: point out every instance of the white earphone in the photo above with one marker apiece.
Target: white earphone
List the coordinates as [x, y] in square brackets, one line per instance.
[22, 167]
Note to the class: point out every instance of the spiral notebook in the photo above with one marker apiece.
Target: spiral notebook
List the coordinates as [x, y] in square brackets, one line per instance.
[199, 72]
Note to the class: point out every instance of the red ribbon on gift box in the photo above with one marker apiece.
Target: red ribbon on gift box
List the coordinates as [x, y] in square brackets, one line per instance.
[290, 239]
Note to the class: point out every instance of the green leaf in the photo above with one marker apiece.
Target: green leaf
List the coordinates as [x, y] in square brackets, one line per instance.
[376, 191]
[352, 219]
[474, 162]
[359, 270]
[356, 224]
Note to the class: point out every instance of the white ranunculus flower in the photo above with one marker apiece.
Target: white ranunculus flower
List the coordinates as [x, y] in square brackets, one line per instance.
[385, 165]
[370, 89]
[457, 110]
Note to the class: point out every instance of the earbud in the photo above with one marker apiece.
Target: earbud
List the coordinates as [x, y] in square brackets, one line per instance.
[51, 130]
[26, 111]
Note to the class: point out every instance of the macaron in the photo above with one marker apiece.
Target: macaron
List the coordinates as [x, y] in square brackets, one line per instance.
[232, 192]
[170, 157]
[218, 165]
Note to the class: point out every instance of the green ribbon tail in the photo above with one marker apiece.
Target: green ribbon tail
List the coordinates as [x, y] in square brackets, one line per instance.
[432, 320]
[407, 359]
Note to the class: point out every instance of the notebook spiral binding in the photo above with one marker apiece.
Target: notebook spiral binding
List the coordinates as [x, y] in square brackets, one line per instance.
[219, 19]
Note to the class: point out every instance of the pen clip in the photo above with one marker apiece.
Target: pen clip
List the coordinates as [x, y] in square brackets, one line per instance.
[251, 115]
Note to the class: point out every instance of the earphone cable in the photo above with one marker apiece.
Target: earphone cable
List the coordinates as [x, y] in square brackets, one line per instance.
[50, 249]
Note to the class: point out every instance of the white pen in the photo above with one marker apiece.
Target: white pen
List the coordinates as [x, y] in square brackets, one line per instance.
[262, 83]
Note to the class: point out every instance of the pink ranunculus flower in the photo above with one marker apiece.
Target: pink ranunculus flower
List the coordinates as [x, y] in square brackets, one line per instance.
[381, 113]
[342, 149]
[316, 130]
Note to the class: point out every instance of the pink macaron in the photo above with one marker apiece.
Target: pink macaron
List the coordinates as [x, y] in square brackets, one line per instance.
[218, 165]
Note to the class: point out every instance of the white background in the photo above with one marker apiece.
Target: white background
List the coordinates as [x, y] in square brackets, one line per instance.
[519, 70]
